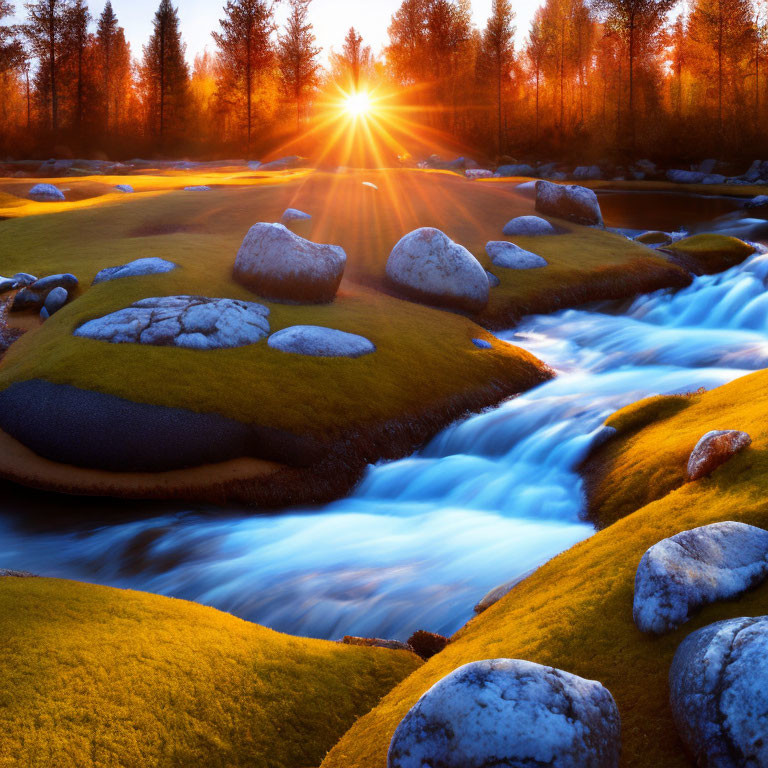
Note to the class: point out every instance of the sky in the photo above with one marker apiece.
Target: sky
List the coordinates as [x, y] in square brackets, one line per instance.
[331, 19]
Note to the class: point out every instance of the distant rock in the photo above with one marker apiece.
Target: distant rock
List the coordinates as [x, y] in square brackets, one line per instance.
[317, 341]
[482, 344]
[718, 687]
[694, 568]
[570, 202]
[23, 279]
[507, 712]
[194, 322]
[759, 201]
[493, 281]
[46, 193]
[478, 173]
[45, 284]
[511, 256]
[126, 188]
[648, 167]
[278, 264]
[521, 169]
[587, 172]
[685, 177]
[27, 299]
[152, 265]
[529, 226]
[6, 574]
[294, 214]
[714, 449]
[375, 642]
[283, 164]
[54, 301]
[200, 188]
[429, 266]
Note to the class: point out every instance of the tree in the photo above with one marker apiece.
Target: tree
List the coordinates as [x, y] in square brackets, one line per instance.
[245, 50]
[354, 59]
[498, 50]
[11, 50]
[297, 55]
[106, 42]
[165, 73]
[536, 51]
[75, 40]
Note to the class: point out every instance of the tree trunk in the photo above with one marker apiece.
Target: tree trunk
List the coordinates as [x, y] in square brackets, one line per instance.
[632, 84]
[52, 64]
[162, 78]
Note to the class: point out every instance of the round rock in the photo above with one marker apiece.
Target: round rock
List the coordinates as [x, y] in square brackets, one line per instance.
[46, 193]
[530, 226]
[294, 214]
[714, 449]
[693, 568]
[506, 712]
[278, 264]
[55, 300]
[316, 341]
[194, 322]
[149, 266]
[568, 201]
[511, 256]
[719, 693]
[427, 265]
[46, 284]
[27, 299]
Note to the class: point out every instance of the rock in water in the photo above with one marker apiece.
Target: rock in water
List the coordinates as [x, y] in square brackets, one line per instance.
[55, 300]
[529, 226]
[294, 214]
[568, 201]
[427, 265]
[506, 712]
[719, 693]
[714, 449]
[694, 568]
[587, 172]
[320, 342]
[46, 193]
[278, 264]
[149, 266]
[511, 256]
[194, 322]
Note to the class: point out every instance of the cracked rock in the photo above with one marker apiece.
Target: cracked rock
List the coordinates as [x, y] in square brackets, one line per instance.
[507, 712]
[194, 322]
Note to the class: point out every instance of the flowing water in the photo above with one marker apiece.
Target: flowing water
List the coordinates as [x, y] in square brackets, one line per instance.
[422, 539]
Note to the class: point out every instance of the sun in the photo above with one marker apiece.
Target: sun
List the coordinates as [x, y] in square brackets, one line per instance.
[357, 104]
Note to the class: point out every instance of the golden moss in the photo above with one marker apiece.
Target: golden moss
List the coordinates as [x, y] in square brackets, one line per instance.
[92, 677]
[644, 412]
[710, 253]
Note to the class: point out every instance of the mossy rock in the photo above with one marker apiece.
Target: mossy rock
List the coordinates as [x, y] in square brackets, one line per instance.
[653, 238]
[96, 677]
[709, 253]
[575, 612]
[644, 412]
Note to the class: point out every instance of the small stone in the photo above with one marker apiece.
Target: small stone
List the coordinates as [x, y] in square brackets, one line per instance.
[528, 226]
[507, 712]
[714, 449]
[294, 214]
[23, 279]
[317, 341]
[694, 568]
[126, 188]
[149, 266]
[55, 300]
[46, 193]
[493, 597]
[200, 188]
[482, 344]
[511, 256]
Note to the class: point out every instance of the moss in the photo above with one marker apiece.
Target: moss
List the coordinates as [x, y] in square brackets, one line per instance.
[643, 412]
[95, 677]
[709, 253]
[575, 612]
[653, 238]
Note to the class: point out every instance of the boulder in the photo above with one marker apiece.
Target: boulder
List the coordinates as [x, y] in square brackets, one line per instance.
[718, 693]
[254, 165]
[647, 167]
[478, 173]
[152, 265]
[586, 172]
[521, 169]
[46, 193]
[46, 284]
[317, 341]
[126, 188]
[527, 188]
[23, 279]
[507, 712]
[54, 301]
[529, 226]
[293, 214]
[482, 344]
[684, 177]
[713, 178]
[759, 201]
[427, 265]
[694, 568]
[199, 188]
[511, 256]
[278, 264]
[569, 201]
[27, 299]
[194, 322]
[714, 449]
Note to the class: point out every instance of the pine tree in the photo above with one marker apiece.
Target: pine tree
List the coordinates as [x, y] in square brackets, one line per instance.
[106, 33]
[165, 73]
[245, 50]
[354, 60]
[297, 55]
[75, 40]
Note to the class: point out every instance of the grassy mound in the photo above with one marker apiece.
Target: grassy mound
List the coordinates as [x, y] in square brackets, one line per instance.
[709, 253]
[94, 676]
[575, 612]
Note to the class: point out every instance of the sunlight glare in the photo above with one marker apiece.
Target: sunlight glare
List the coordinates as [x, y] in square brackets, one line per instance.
[358, 104]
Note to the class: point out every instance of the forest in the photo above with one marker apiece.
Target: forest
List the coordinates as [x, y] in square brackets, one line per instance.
[594, 80]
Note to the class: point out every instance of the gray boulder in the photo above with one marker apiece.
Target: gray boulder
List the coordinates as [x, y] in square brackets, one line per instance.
[427, 265]
[6, 574]
[293, 214]
[46, 193]
[317, 341]
[713, 178]
[529, 226]
[714, 449]
[194, 322]
[126, 188]
[586, 172]
[718, 687]
[149, 266]
[684, 177]
[46, 284]
[511, 256]
[521, 169]
[507, 712]
[54, 301]
[570, 201]
[278, 264]
[694, 568]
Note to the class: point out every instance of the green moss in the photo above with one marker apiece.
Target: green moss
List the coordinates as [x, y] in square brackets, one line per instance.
[711, 253]
[95, 677]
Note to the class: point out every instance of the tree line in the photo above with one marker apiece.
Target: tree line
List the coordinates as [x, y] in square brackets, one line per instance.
[594, 79]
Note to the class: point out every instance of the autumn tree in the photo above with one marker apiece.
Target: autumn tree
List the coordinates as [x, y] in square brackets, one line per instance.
[165, 74]
[354, 60]
[106, 43]
[11, 50]
[75, 41]
[536, 50]
[297, 55]
[245, 52]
